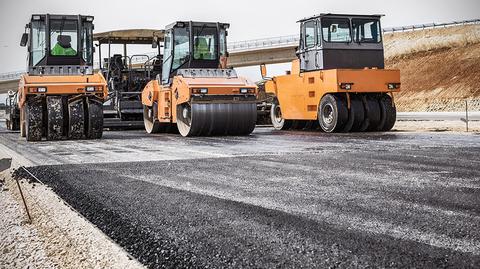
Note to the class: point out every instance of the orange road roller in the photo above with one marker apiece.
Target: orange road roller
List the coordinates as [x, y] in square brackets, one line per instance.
[339, 82]
[60, 97]
[196, 92]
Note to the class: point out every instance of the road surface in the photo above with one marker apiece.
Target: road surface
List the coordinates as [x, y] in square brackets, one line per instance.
[273, 199]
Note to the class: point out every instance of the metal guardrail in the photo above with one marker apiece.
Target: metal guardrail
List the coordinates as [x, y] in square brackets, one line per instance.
[429, 26]
[11, 75]
[263, 43]
[282, 41]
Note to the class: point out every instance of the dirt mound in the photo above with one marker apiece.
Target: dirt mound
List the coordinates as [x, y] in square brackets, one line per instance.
[440, 68]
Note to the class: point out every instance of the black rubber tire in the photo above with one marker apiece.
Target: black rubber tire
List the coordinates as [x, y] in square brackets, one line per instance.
[389, 113]
[15, 125]
[356, 115]
[152, 125]
[76, 119]
[373, 113]
[54, 118]
[94, 120]
[366, 122]
[33, 120]
[332, 113]
[278, 122]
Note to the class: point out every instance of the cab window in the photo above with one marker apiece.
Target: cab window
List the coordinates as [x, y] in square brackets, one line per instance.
[87, 48]
[309, 34]
[205, 43]
[167, 57]
[63, 38]
[366, 30]
[181, 47]
[336, 30]
[223, 43]
[38, 44]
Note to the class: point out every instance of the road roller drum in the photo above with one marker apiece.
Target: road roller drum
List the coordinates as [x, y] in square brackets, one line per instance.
[208, 119]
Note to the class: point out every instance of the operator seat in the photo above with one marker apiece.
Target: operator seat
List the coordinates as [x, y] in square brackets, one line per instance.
[201, 49]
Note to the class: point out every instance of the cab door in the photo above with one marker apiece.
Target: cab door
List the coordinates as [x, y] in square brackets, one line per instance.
[308, 48]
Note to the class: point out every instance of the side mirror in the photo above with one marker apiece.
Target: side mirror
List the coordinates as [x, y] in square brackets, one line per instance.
[263, 70]
[24, 40]
[155, 42]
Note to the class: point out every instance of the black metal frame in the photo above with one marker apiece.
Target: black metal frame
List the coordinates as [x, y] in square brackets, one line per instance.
[193, 63]
[333, 55]
[125, 101]
[69, 62]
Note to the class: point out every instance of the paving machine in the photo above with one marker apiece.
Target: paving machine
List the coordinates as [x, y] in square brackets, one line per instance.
[338, 82]
[127, 75]
[195, 91]
[60, 96]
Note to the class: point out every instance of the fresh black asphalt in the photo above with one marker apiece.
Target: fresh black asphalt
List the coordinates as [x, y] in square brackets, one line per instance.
[387, 200]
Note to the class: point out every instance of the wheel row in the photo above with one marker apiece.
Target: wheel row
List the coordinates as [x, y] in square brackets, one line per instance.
[56, 118]
[361, 113]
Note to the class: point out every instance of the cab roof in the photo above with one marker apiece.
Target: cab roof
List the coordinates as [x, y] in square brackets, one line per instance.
[60, 16]
[197, 23]
[129, 36]
[333, 15]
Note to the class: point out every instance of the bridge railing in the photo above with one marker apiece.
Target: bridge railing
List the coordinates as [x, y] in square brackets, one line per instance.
[429, 26]
[290, 40]
[11, 75]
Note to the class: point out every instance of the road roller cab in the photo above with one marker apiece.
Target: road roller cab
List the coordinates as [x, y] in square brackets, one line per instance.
[196, 91]
[338, 82]
[60, 97]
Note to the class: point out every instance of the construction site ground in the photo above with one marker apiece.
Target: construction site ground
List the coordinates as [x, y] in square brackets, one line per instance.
[439, 68]
[407, 198]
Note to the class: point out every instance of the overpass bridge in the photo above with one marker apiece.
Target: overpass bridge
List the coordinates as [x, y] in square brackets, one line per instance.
[243, 53]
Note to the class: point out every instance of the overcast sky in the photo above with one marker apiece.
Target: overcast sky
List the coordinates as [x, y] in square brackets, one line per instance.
[248, 19]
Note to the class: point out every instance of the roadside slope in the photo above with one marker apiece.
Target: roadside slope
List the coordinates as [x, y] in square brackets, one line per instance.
[439, 68]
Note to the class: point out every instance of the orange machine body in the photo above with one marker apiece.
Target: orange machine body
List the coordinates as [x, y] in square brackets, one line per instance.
[61, 85]
[184, 90]
[299, 93]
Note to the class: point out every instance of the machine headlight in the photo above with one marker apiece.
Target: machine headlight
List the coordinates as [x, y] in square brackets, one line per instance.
[90, 89]
[247, 90]
[200, 91]
[41, 90]
[89, 19]
[346, 86]
[393, 86]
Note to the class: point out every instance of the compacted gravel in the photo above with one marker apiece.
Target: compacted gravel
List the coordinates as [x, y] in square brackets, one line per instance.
[384, 201]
